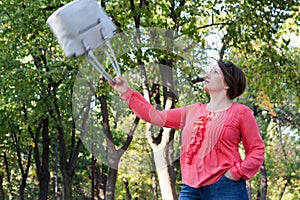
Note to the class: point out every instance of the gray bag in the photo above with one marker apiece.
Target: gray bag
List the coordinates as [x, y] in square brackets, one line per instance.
[81, 26]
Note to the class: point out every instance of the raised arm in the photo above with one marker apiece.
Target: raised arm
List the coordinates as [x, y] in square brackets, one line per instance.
[143, 109]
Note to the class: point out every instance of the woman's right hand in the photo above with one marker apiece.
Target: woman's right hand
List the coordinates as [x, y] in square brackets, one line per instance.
[120, 85]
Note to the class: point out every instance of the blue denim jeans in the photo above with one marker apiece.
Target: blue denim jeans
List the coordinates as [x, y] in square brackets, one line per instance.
[224, 189]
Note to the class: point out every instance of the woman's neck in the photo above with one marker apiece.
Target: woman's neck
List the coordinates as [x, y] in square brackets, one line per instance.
[218, 102]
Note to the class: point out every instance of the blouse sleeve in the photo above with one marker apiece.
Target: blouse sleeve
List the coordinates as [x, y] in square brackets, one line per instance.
[253, 145]
[143, 109]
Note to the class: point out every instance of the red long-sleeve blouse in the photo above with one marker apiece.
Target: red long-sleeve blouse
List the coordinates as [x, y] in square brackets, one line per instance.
[209, 140]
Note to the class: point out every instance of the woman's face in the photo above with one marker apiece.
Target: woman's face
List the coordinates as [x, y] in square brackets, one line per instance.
[214, 80]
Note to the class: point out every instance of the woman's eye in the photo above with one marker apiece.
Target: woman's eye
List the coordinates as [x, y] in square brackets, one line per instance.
[214, 71]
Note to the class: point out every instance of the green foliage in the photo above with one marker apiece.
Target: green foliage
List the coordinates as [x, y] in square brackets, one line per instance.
[139, 185]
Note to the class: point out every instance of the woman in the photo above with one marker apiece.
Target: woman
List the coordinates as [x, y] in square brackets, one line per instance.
[211, 166]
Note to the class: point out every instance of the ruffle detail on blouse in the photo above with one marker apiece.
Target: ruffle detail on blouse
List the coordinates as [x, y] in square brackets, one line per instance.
[197, 137]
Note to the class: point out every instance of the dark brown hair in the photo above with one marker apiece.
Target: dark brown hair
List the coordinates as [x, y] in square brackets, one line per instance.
[235, 79]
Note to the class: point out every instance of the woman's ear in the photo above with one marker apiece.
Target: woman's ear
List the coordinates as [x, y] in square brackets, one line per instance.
[226, 87]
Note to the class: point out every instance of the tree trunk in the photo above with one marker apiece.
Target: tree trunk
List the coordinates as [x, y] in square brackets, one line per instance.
[114, 155]
[67, 166]
[162, 162]
[110, 185]
[126, 185]
[21, 191]
[264, 183]
[1, 188]
[44, 185]
[24, 177]
[249, 188]
[67, 185]
[164, 177]
[98, 181]
[7, 170]
[44, 173]
[285, 160]
[288, 180]
[56, 173]
[24, 170]
[42, 168]
[93, 169]
[100, 186]
[159, 145]
[154, 185]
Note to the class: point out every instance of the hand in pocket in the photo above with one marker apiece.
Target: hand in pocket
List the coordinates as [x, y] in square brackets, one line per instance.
[229, 175]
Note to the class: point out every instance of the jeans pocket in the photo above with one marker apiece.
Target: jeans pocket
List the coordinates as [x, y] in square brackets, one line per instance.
[226, 189]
